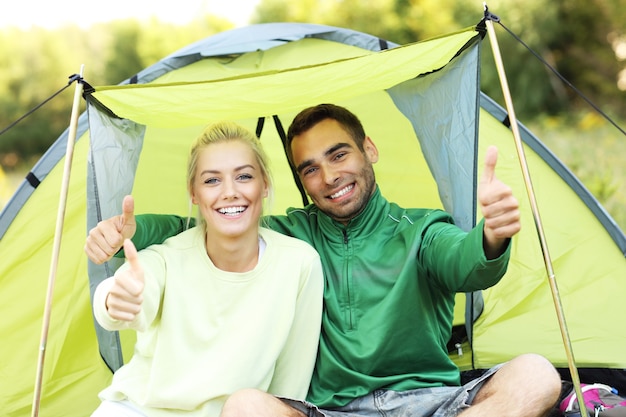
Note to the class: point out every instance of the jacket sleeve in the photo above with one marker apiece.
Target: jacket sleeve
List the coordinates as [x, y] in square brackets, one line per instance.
[294, 367]
[456, 259]
[154, 229]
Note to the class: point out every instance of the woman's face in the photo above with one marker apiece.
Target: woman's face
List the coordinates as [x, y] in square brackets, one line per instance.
[229, 188]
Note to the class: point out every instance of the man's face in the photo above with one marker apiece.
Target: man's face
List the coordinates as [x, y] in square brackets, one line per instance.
[338, 177]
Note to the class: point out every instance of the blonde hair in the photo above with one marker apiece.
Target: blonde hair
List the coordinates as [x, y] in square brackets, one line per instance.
[227, 132]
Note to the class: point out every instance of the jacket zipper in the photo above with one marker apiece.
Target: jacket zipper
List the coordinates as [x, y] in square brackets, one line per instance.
[348, 278]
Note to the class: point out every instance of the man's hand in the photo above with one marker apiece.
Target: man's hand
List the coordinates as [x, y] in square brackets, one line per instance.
[499, 208]
[106, 239]
[126, 295]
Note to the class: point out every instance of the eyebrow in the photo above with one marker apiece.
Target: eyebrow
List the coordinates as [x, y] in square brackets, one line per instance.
[239, 168]
[328, 152]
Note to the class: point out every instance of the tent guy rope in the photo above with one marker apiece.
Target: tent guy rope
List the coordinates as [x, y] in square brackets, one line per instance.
[73, 78]
[535, 211]
[57, 241]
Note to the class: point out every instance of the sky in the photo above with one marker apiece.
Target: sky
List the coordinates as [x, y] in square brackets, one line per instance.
[54, 13]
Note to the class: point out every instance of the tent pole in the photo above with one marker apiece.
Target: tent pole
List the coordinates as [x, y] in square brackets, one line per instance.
[533, 203]
[57, 241]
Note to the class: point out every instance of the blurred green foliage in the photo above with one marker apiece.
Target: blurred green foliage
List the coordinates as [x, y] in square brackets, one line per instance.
[579, 38]
[573, 36]
[37, 63]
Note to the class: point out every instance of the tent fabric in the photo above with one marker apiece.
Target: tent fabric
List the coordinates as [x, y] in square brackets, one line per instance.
[431, 126]
[239, 97]
[37, 174]
[589, 267]
[107, 184]
[566, 175]
[412, 75]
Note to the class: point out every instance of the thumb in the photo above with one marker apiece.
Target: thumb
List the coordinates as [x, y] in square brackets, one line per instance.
[128, 211]
[490, 165]
[131, 256]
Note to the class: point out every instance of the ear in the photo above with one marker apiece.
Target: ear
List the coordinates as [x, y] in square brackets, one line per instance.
[192, 194]
[266, 188]
[370, 149]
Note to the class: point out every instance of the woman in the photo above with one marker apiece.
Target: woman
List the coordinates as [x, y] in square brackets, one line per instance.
[223, 306]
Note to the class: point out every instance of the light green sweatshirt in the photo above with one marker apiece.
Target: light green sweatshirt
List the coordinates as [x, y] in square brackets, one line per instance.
[204, 333]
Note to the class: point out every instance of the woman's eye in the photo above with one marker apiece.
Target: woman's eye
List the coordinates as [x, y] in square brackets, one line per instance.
[211, 181]
[244, 177]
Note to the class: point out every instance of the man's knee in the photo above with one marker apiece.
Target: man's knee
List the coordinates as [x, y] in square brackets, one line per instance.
[538, 376]
[527, 376]
[257, 403]
[538, 367]
[245, 402]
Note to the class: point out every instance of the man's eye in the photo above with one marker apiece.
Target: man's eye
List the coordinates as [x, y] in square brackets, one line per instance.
[309, 170]
[340, 155]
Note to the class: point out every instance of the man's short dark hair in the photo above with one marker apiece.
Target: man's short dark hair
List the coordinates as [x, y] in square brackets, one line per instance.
[311, 116]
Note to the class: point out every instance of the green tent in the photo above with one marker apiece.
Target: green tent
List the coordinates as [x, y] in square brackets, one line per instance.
[421, 103]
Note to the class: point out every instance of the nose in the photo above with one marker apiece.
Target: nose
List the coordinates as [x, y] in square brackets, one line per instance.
[329, 174]
[230, 190]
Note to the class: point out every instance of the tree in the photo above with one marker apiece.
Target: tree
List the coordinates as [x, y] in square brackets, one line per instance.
[36, 63]
[572, 36]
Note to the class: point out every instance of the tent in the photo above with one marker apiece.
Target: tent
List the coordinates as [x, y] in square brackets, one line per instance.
[421, 103]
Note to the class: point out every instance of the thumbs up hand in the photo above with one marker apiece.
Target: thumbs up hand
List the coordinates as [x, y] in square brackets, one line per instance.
[126, 295]
[499, 207]
[107, 237]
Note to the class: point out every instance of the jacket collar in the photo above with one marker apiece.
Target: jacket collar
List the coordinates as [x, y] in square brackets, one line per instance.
[362, 225]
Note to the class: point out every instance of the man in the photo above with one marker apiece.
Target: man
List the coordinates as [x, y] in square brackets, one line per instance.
[391, 275]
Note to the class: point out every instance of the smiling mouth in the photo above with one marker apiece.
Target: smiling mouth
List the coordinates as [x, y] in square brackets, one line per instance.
[232, 211]
[342, 192]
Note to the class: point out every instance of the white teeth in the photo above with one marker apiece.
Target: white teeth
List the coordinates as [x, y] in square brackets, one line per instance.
[232, 210]
[342, 191]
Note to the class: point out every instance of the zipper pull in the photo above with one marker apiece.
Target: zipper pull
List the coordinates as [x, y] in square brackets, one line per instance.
[597, 408]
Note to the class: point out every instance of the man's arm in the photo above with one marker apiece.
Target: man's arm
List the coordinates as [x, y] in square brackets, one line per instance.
[153, 229]
[106, 239]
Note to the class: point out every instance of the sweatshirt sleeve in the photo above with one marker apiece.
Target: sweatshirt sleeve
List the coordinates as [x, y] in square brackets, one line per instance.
[294, 367]
[102, 315]
[154, 284]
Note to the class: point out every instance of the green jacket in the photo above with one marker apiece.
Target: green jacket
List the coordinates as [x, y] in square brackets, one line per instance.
[391, 276]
